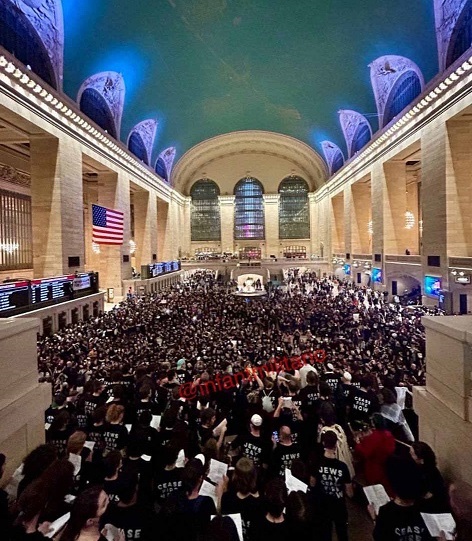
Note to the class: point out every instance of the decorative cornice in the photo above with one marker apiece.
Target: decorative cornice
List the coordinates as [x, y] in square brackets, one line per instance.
[14, 176]
[271, 198]
[226, 199]
[27, 89]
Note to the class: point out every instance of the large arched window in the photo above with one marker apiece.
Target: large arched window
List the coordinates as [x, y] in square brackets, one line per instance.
[294, 214]
[461, 38]
[406, 89]
[249, 210]
[94, 105]
[338, 162]
[18, 36]
[137, 147]
[205, 211]
[361, 138]
[161, 169]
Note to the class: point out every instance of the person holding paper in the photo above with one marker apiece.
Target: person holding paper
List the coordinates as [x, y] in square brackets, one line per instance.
[400, 519]
[242, 496]
[186, 514]
[85, 516]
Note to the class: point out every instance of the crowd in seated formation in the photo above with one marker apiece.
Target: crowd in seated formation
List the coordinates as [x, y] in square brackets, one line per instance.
[131, 459]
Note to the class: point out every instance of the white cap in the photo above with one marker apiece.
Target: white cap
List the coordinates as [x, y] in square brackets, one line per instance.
[256, 420]
[347, 376]
[330, 366]
[201, 458]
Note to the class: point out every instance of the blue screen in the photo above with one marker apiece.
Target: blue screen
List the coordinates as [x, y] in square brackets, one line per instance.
[377, 275]
[432, 285]
[347, 269]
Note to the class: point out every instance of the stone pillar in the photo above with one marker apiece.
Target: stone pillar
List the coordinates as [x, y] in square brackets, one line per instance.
[337, 224]
[24, 400]
[113, 193]
[459, 198]
[162, 215]
[170, 242]
[314, 227]
[361, 210]
[271, 218]
[185, 231]
[378, 194]
[434, 150]
[348, 208]
[145, 227]
[57, 205]
[227, 222]
[444, 406]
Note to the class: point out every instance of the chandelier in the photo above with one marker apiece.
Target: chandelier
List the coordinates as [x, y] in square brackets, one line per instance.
[409, 220]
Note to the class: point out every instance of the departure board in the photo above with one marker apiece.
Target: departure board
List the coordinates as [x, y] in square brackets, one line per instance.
[51, 289]
[14, 298]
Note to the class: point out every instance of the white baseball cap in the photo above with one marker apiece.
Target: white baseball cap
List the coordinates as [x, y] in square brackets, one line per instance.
[330, 366]
[256, 420]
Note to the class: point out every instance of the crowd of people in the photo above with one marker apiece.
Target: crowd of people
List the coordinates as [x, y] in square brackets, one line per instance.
[129, 457]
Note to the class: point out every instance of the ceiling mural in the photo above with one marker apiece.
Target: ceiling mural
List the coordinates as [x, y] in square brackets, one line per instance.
[203, 68]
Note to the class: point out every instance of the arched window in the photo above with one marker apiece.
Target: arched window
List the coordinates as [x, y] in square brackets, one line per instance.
[405, 90]
[137, 147]
[361, 138]
[161, 169]
[461, 38]
[338, 162]
[20, 38]
[294, 214]
[249, 210]
[205, 211]
[94, 105]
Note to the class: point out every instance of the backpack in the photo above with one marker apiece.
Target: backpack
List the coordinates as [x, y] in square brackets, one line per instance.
[267, 402]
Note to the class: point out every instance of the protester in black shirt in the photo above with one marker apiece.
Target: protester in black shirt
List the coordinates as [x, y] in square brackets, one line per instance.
[363, 403]
[253, 445]
[169, 477]
[115, 434]
[400, 519]
[285, 453]
[333, 482]
[273, 525]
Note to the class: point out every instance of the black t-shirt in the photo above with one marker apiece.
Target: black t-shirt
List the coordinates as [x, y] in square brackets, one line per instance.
[115, 437]
[112, 488]
[332, 379]
[183, 519]
[250, 508]
[362, 405]
[331, 479]
[166, 482]
[309, 397]
[400, 523]
[263, 530]
[282, 457]
[133, 520]
[257, 448]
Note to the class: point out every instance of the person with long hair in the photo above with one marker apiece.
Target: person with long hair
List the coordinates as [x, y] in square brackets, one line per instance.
[299, 516]
[272, 525]
[242, 495]
[28, 508]
[86, 512]
[435, 498]
[35, 463]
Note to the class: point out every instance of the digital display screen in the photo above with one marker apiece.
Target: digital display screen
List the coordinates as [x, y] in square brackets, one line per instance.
[168, 266]
[13, 296]
[51, 289]
[347, 269]
[175, 265]
[432, 285]
[377, 275]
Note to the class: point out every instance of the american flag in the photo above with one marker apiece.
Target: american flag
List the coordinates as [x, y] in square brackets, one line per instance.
[107, 225]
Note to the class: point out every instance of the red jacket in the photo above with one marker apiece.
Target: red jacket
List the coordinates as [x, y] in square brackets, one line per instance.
[374, 450]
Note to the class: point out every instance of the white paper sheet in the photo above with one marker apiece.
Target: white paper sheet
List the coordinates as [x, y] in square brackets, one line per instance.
[236, 518]
[90, 445]
[217, 470]
[376, 496]
[217, 430]
[293, 484]
[146, 458]
[180, 463]
[440, 522]
[156, 421]
[112, 532]
[76, 461]
[207, 489]
[401, 396]
[57, 525]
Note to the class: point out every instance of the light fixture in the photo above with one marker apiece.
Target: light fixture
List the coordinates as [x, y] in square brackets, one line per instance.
[367, 265]
[9, 247]
[334, 260]
[409, 220]
[461, 273]
[95, 248]
[454, 272]
[132, 247]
